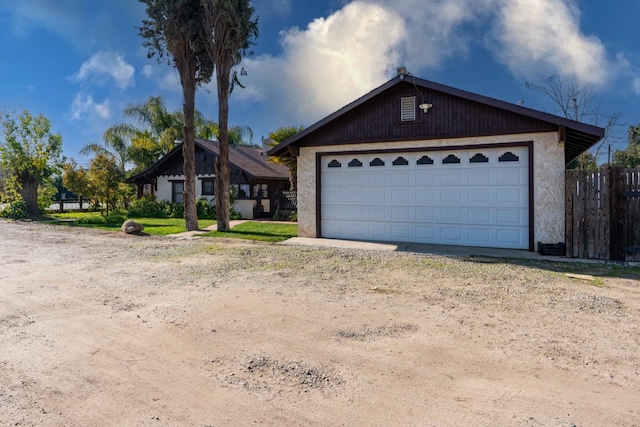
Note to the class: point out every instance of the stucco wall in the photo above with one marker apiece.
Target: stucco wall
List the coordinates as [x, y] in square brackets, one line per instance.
[548, 165]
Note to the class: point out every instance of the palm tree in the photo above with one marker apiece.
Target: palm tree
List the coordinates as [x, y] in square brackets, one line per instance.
[229, 33]
[277, 137]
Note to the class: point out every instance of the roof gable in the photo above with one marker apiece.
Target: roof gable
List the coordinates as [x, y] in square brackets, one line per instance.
[376, 117]
[248, 161]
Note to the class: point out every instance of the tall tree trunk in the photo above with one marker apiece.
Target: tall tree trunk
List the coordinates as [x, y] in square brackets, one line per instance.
[222, 162]
[29, 193]
[189, 152]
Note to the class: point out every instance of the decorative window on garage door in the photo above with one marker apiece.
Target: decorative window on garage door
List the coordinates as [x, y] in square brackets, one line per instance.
[400, 161]
[425, 160]
[334, 164]
[450, 159]
[479, 158]
[508, 157]
[377, 162]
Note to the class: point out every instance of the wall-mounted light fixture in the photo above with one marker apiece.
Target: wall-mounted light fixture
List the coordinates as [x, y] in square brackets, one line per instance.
[425, 107]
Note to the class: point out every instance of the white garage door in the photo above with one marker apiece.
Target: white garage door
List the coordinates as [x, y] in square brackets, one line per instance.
[470, 197]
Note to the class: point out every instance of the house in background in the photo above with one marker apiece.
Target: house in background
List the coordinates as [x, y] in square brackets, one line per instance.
[253, 178]
[417, 161]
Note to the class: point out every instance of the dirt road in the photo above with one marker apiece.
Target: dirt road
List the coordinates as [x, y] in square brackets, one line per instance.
[103, 329]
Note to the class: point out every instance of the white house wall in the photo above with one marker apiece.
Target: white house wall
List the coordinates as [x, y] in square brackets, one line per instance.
[244, 207]
[548, 187]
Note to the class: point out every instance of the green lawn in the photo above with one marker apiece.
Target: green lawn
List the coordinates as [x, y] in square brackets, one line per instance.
[156, 226]
[262, 231]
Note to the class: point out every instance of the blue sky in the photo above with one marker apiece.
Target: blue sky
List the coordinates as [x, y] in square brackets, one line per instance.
[80, 62]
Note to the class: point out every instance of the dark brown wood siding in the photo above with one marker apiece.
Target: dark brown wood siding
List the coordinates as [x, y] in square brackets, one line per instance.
[204, 166]
[450, 117]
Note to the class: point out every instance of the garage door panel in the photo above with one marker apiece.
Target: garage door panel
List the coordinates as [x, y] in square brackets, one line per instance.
[480, 236]
[451, 196]
[425, 196]
[480, 177]
[377, 196]
[354, 196]
[510, 196]
[480, 216]
[401, 196]
[425, 214]
[510, 238]
[426, 234]
[375, 213]
[481, 201]
[378, 231]
[401, 232]
[403, 214]
[451, 235]
[479, 196]
[355, 213]
[333, 196]
[512, 176]
[423, 177]
[377, 178]
[451, 216]
[335, 212]
[402, 178]
[451, 177]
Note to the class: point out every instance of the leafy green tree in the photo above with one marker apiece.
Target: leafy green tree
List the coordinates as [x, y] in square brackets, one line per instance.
[630, 156]
[291, 162]
[104, 179]
[175, 28]
[230, 32]
[30, 154]
[103, 183]
[75, 179]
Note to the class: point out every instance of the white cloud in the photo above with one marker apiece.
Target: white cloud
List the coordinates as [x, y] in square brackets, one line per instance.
[106, 66]
[330, 63]
[545, 35]
[148, 71]
[84, 106]
[635, 84]
[335, 60]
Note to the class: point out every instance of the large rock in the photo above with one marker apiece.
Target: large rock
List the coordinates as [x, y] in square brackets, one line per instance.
[131, 227]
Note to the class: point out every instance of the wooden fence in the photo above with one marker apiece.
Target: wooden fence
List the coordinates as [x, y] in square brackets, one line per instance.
[603, 214]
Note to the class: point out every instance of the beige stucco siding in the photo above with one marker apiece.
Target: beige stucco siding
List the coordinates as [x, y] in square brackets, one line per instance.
[548, 161]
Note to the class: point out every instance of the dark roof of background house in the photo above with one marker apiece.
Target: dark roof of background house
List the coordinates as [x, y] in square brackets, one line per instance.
[579, 136]
[252, 160]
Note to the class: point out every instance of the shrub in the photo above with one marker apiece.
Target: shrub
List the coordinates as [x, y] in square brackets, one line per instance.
[205, 209]
[176, 210]
[115, 218]
[15, 210]
[294, 216]
[148, 207]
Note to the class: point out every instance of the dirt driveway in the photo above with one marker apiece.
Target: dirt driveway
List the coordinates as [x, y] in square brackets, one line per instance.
[104, 329]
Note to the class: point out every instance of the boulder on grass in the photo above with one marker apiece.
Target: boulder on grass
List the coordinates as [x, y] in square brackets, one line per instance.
[131, 227]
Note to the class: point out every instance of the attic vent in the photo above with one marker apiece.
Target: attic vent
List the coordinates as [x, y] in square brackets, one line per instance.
[408, 109]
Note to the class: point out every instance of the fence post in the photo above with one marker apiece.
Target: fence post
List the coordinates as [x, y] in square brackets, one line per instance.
[617, 213]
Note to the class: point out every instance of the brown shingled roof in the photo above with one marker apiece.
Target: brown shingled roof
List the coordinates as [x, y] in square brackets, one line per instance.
[250, 159]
